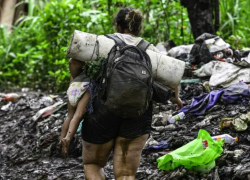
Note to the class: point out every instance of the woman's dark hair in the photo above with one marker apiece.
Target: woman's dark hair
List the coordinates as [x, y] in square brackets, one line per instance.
[130, 19]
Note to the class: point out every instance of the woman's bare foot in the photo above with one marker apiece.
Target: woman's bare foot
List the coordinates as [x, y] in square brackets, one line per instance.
[65, 147]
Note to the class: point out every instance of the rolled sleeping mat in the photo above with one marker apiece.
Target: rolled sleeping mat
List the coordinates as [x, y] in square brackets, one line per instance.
[90, 47]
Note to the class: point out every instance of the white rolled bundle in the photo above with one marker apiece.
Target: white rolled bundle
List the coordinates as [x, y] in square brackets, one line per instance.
[89, 47]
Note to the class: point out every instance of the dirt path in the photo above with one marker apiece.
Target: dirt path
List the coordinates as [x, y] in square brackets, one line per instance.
[28, 147]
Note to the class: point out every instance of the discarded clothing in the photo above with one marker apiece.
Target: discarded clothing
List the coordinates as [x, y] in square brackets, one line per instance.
[192, 155]
[235, 92]
[216, 44]
[223, 73]
[200, 51]
[206, 70]
[201, 104]
[179, 50]
[226, 74]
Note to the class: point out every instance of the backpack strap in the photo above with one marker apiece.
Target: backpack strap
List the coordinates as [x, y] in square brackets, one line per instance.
[143, 45]
[117, 40]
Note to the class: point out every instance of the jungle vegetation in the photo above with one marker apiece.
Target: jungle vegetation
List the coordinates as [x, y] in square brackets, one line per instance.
[33, 53]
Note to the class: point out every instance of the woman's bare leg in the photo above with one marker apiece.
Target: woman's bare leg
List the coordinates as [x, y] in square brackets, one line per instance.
[127, 155]
[95, 157]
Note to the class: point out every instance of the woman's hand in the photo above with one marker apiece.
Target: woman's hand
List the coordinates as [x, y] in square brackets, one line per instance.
[176, 99]
[178, 102]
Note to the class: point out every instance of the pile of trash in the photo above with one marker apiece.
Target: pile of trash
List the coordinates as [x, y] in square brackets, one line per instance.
[209, 138]
[31, 125]
[30, 128]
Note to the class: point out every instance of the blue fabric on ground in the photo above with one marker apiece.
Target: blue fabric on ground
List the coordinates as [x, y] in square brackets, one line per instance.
[201, 104]
[160, 145]
[236, 92]
[232, 94]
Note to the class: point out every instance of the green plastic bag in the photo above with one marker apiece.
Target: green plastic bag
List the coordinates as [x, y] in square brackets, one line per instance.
[193, 156]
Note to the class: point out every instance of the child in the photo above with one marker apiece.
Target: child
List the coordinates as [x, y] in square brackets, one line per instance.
[79, 96]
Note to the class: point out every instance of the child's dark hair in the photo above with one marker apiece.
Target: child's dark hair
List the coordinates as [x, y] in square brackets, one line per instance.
[130, 19]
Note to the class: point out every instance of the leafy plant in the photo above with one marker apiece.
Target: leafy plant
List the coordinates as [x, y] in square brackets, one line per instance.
[33, 54]
[234, 18]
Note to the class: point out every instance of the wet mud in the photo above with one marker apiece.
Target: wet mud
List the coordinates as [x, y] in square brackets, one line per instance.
[29, 149]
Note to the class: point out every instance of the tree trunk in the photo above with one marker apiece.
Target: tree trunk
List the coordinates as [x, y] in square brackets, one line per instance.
[201, 15]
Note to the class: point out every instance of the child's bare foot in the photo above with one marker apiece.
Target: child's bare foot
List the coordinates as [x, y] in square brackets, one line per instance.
[65, 146]
[59, 145]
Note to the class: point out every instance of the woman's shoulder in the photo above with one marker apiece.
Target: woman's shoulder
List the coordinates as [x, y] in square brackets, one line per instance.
[153, 48]
[132, 40]
[128, 39]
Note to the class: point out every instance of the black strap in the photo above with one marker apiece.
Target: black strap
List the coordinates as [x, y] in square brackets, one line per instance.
[116, 39]
[143, 45]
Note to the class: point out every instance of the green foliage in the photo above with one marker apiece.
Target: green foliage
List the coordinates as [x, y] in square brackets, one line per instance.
[234, 22]
[33, 54]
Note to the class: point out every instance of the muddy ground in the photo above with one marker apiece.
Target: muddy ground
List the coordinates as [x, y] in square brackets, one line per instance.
[28, 147]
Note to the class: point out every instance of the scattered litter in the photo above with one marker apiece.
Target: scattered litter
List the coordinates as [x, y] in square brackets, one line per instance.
[192, 155]
[216, 97]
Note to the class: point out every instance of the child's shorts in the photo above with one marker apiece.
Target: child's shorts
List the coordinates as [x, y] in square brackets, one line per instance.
[77, 88]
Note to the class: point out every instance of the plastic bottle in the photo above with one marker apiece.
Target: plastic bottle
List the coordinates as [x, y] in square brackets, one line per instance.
[228, 139]
[219, 55]
[11, 97]
[177, 117]
[46, 111]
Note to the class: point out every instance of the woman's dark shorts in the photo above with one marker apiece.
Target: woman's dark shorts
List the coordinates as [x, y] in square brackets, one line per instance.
[102, 126]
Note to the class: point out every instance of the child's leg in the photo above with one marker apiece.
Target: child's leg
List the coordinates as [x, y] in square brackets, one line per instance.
[80, 111]
[65, 126]
[74, 123]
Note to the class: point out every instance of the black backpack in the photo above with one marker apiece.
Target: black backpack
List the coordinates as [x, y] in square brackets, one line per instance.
[125, 86]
